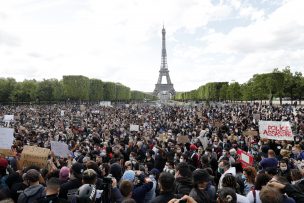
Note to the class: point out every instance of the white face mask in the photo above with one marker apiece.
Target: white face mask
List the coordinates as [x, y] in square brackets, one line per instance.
[283, 168]
[181, 160]
[206, 153]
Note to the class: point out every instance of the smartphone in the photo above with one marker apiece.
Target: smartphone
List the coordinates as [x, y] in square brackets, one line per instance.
[182, 201]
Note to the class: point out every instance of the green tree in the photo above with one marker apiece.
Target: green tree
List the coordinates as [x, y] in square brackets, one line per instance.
[45, 90]
[299, 86]
[7, 86]
[289, 83]
[25, 91]
[76, 87]
[234, 91]
[96, 92]
[110, 91]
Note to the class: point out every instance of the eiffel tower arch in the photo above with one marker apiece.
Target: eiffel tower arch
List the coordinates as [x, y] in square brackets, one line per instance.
[164, 91]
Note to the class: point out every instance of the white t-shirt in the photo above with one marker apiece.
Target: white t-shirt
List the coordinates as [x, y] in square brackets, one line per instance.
[241, 199]
[251, 198]
[231, 170]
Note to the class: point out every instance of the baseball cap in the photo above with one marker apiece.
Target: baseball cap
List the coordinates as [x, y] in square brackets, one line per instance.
[3, 163]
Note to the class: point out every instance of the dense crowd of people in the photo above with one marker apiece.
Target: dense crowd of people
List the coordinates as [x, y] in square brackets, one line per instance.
[110, 163]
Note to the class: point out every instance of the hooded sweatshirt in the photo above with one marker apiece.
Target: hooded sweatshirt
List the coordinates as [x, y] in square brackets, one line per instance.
[32, 193]
[183, 185]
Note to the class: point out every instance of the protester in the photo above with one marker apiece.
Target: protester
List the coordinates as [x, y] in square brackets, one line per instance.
[230, 181]
[35, 191]
[261, 180]
[226, 195]
[166, 186]
[52, 192]
[202, 190]
[224, 168]
[250, 174]
[183, 179]
[101, 144]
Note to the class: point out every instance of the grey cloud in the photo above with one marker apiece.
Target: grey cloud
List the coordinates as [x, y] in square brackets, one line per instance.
[35, 55]
[8, 39]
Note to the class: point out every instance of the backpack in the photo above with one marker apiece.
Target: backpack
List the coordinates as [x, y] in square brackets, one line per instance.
[3, 184]
[28, 198]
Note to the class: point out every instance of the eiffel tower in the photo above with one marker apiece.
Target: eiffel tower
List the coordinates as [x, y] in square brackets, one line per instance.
[164, 91]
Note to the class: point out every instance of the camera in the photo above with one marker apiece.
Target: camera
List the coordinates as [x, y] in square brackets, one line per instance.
[106, 187]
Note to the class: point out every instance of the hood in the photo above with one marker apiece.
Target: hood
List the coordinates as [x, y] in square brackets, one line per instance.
[184, 181]
[32, 190]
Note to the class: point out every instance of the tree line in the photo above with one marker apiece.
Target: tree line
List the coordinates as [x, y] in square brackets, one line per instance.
[70, 88]
[267, 86]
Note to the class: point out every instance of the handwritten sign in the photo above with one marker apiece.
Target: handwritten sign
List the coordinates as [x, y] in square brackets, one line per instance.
[6, 152]
[60, 149]
[275, 130]
[245, 158]
[134, 127]
[251, 133]
[8, 118]
[82, 107]
[182, 139]
[163, 137]
[34, 156]
[204, 140]
[6, 138]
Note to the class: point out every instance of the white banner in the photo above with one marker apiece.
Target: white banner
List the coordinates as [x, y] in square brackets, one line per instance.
[275, 130]
[60, 149]
[8, 118]
[134, 127]
[6, 138]
[105, 103]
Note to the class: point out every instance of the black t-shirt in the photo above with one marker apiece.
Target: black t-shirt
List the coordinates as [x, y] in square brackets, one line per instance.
[52, 199]
[17, 189]
[69, 189]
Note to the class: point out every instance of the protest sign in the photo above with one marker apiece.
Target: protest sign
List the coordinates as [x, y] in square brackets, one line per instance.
[251, 133]
[217, 124]
[256, 116]
[275, 130]
[6, 138]
[204, 140]
[6, 152]
[134, 127]
[60, 149]
[8, 118]
[182, 139]
[95, 111]
[245, 158]
[163, 137]
[82, 108]
[105, 103]
[199, 114]
[32, 155]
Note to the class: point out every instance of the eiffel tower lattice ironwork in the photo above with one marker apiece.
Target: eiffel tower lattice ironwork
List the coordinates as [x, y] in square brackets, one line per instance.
[164, 72]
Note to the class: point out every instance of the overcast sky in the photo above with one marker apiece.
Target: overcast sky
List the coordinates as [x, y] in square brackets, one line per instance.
[120, 40]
